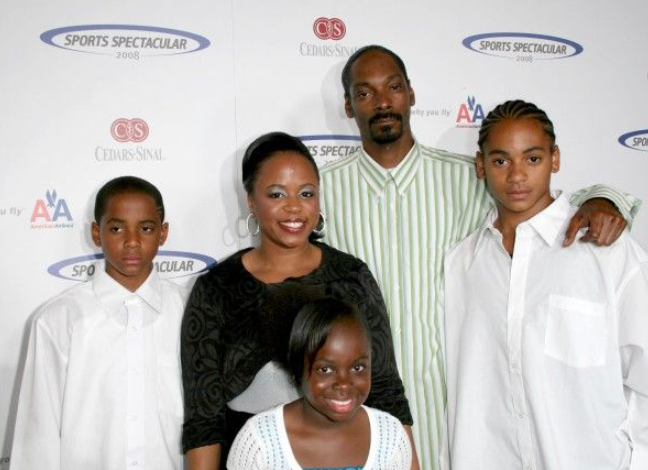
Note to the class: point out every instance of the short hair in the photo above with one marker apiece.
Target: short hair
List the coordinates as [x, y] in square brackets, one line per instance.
[346, 71]
[312, 327]
[265, 147]
[515, 109]
[126, 184]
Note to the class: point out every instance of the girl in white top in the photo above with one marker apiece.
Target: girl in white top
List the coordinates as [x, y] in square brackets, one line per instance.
[329, 358]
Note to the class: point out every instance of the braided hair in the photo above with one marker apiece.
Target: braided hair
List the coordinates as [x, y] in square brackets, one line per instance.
[515, 109]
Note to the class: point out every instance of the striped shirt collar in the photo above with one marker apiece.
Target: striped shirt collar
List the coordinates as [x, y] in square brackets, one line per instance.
[377, 177]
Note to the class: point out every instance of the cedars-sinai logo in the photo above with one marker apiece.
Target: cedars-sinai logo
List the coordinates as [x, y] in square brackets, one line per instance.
[125, 41]
[523, 47]
[129, 130]
[329, 28]
[635, 140]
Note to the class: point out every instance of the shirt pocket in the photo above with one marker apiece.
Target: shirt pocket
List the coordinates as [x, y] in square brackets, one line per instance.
[576, 331]
[170, 384]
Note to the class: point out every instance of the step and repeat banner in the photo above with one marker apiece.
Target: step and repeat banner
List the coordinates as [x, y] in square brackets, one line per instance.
[174, 93]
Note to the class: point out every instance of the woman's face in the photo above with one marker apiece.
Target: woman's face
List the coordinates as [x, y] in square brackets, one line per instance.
[285, 200]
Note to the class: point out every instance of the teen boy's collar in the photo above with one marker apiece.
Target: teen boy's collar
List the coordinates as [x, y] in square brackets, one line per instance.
[112, 294]
[550, 224]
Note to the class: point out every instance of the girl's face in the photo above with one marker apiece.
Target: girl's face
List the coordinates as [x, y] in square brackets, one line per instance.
[339, 379]
[285, 200]
[517, 163]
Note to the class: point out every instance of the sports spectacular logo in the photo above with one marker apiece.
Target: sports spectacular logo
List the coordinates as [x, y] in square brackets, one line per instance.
[523, 47]
[169, 264]
[635, 140]
[125, 41]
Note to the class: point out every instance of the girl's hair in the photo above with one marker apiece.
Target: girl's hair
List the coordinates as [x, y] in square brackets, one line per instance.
[312, 327]
[515, 109]
[265, 147]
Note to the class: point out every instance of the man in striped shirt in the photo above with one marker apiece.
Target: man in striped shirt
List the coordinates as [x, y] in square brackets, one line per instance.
[399, 205]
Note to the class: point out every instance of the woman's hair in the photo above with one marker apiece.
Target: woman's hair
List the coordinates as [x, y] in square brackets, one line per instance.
[515, 109]
[265, 147]
[126, 184]
[312, 327]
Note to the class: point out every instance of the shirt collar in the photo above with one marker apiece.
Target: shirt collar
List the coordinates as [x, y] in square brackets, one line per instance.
[112, 294]
[377, 177]
[550, 224]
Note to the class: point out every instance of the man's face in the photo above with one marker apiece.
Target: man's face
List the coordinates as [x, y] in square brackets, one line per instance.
[379, 99]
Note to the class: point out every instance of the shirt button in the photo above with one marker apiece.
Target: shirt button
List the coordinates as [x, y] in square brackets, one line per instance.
[521, 415]
[134, 463]
[133, 418]
[133, 328]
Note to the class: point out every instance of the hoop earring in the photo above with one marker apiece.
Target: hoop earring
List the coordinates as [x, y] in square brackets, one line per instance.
[320, 228]
[247, 225]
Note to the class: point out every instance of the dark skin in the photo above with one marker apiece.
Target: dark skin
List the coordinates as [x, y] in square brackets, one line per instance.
[378, 87]
[321, 434]
[285, 202]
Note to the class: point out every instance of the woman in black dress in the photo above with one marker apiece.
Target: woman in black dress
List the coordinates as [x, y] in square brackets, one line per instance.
[228, 371]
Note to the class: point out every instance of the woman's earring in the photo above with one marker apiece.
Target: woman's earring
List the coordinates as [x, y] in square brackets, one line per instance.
[320, 228]
[247, 225]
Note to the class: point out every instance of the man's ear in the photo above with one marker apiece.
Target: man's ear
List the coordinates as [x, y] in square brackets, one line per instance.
[412, 95]
[480, 169]
[555, 159]
[348, 109]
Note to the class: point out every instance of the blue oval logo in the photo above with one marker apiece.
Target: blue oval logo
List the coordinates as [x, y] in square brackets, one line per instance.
[124, 41]
[636, 140]
[170, 264]
[523, 47]
[326, 148]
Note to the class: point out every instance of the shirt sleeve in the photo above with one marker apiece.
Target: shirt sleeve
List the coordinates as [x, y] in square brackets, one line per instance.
[202, 377]
[248, 450]
[396, 446]
[633, 344]
[627, 204]
[37, 437]
[387, 391]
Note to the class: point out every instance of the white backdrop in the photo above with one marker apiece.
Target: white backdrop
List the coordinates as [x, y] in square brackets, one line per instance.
[206, 78]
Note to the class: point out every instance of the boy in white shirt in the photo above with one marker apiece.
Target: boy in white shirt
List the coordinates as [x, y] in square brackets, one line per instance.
[546, 347]
[102, 384]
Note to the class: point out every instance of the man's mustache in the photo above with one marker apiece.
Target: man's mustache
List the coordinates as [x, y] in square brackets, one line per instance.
[379, 116]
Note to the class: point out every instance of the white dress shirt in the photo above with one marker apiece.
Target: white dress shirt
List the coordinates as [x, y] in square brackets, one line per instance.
[102, 383]
[547, 350]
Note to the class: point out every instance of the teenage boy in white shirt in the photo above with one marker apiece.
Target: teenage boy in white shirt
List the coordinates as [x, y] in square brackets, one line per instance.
[546, 346]
[102, 384]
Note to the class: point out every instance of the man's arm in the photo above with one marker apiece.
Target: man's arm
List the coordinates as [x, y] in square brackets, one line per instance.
[37, 437]
[605, 211]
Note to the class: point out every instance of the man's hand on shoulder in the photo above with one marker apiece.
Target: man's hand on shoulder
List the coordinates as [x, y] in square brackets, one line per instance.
[604, 222]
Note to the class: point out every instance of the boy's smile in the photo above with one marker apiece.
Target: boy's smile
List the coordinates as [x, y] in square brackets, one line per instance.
[130, 233]
[517, 163]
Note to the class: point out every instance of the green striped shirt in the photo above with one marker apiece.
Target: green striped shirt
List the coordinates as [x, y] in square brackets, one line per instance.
[401, 221]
